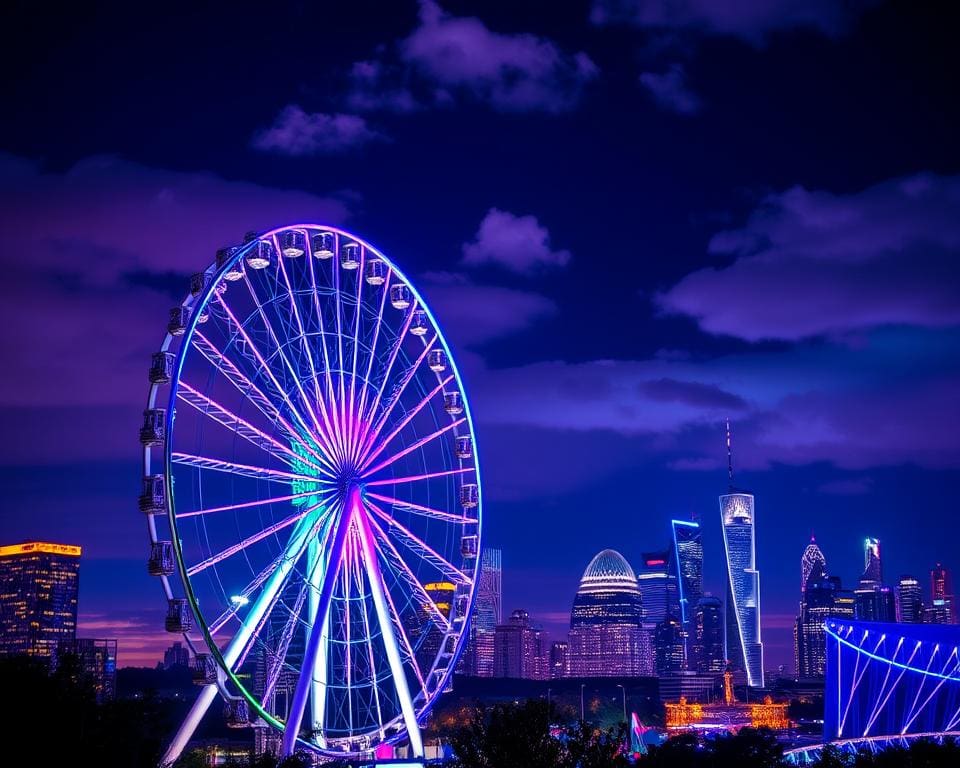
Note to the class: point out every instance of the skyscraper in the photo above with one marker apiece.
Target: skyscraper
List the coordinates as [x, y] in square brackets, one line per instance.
[658, 588]
[519, 649]
[816, 601]
[688, 567]
[821, 598]
[873, 566]
[941, 593]
[607, 638]
[744, 649]
[477, 660]
[176, 655]
[909, 600]
[558, 659]
[669, 642]
[707, 641]
[812, 564]
[38, 597]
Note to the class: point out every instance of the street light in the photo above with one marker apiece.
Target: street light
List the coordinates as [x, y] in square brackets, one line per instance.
[624, 701]
[582, 686]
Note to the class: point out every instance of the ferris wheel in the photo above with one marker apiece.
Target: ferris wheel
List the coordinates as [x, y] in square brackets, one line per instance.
[312, 492]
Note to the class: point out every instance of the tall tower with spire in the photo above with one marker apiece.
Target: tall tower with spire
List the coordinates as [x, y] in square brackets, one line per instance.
[744, 649]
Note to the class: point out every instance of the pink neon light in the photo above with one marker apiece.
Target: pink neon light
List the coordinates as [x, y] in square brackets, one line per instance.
[411, 448]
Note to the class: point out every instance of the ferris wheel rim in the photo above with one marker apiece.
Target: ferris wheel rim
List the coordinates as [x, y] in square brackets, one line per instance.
[202, 300]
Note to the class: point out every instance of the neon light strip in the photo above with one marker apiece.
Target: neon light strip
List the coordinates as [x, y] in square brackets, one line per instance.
[888, 661]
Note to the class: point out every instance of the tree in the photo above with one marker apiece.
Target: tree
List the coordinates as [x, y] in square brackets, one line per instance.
[588, 747]
[506, 736]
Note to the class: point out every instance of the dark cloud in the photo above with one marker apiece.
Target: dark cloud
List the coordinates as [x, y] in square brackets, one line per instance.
[811, 263]
[671, 91]
[749, 20]
[691, 393]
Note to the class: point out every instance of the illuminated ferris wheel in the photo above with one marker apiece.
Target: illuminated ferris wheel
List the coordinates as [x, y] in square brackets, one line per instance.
[312, 493]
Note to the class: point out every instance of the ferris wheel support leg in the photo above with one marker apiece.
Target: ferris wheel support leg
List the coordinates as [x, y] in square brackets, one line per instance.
[295, 547]
[387, 631]
[318, 692]
[305, 681]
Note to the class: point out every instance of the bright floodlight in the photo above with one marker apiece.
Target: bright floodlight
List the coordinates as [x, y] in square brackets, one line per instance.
[321, 470]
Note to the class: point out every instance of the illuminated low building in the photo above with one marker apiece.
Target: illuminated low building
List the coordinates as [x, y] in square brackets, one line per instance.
[728, 715]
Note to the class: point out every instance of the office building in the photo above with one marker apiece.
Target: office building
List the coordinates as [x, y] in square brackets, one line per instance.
[39, 582]
[909, 600]
[707, 641]
[96, 662]
[875, 603]
[941, 596]
[176, 655]
[688, 570]
[477, 659]
[658, 588]
[558, 659]
[519, 649]
[821, 599]
[669, 643]
[607, 638]
[873, 566]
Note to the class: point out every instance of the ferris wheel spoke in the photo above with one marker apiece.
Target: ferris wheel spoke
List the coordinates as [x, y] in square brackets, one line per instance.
[417, 478]
[234, 423]
[395, 395]
[361, 407]
[271, 332]
[306, 347]
[244, 470]
[420, 548]
[394, 351]
[367, 472]
[402, 571]
[220, 622]
[242, 545]
[377, 589]
[253, 393]
[256, 503]
[265, 366]
[410, 415]
[419, 509]
[276, 658]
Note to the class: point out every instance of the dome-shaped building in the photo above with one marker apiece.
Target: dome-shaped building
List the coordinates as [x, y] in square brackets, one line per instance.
[607, 638]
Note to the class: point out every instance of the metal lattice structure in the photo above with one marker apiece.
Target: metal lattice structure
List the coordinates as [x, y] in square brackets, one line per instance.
[850, 748]
[309, 468]
[891, 680]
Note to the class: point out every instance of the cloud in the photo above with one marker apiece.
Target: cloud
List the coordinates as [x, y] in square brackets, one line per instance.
[691, 393]
[849, 486]
[375, 86]
[749, 20]
[448, 57]
[106, 240]
[475, 313]
[813, 263]
[297, 133]
[519, 243]
[669, 89]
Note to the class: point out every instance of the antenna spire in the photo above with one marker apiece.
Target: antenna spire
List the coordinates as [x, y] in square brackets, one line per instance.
[729, 457]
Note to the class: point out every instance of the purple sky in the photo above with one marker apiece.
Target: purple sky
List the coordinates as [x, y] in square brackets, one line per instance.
[633, 222]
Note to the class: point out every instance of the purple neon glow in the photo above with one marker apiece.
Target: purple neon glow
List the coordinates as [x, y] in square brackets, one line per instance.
[250, 391]
[415, 478]
[367, 472]
[437, 514]
[369, 455]
[244, 470]
[248, 504]
[373, 431]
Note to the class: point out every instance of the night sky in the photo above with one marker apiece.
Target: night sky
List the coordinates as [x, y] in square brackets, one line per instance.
[633, 219]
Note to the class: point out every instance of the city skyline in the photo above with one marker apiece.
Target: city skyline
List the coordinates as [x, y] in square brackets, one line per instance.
[630, 230]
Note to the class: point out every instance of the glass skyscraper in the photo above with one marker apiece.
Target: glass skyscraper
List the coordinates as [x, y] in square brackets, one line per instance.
[478, 659]
[39, 582]
[708, 656]
[744, 649]
[658, 588]
[687, 565]
[944, 609]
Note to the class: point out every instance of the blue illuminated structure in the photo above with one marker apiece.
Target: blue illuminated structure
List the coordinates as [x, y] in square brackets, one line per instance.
[891, 680]
[744, 650]
[688, 569]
